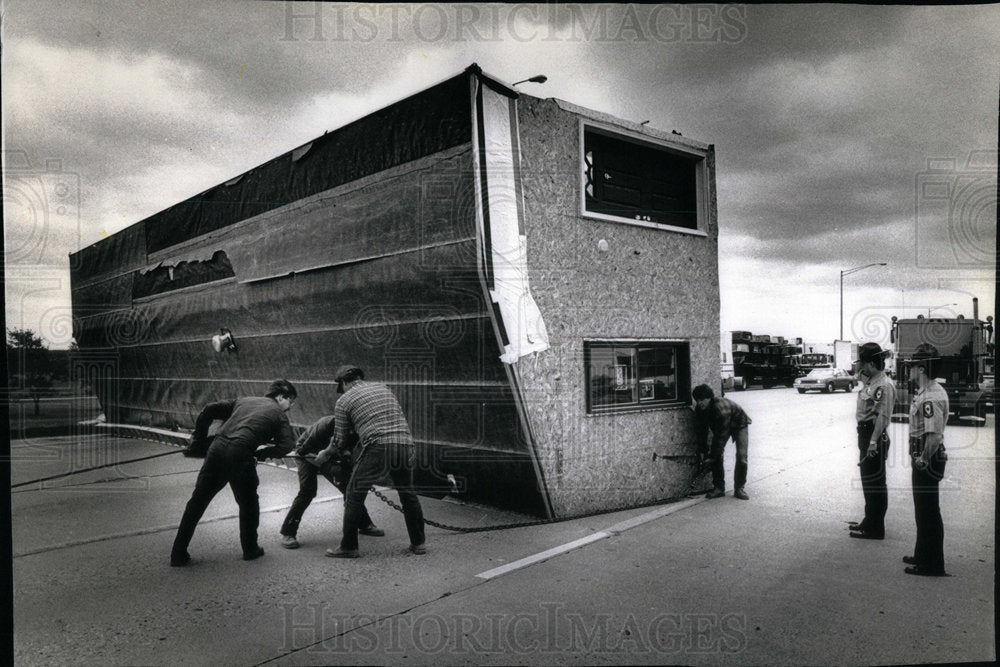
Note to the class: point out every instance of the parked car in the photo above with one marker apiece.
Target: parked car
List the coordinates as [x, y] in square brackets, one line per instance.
[826, 380]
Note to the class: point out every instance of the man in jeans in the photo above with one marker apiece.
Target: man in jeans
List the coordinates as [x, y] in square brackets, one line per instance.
[726, 420]
[337, 472]
[371, 411]
[232, 459]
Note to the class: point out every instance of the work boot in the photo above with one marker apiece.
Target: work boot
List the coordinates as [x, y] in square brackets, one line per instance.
[371, 531]
[715, 493]
[741, 494]
[343, 553]
[254, 554]
[289, 542]
[180, 560]
[418, 549]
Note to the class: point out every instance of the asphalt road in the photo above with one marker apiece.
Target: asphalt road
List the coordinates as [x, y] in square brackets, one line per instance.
[772, 580]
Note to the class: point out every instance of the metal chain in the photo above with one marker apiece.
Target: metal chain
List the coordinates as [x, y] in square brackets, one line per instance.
[702, 469]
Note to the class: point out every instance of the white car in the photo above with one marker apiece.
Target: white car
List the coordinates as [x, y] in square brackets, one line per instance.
[826, 380]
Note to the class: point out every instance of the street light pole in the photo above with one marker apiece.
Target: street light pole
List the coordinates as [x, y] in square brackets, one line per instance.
[943, 305]
[847, 272]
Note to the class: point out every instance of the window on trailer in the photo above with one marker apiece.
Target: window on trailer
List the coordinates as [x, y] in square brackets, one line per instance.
[638, 181]
[636, 375]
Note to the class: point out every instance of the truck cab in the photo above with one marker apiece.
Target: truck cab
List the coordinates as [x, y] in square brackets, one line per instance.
[964, 368]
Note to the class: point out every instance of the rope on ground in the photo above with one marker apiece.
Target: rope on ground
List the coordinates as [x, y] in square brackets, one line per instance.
[82, 470]
[702, 468]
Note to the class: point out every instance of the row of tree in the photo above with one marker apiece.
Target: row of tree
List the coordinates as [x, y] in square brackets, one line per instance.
[31, 365]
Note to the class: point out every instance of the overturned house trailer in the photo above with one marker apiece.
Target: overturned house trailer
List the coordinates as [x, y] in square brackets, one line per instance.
[404, 242]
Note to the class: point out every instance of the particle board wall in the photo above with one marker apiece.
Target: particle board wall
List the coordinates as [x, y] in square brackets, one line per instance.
[651, 284]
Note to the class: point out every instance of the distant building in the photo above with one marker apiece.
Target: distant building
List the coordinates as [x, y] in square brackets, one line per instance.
[404, 242]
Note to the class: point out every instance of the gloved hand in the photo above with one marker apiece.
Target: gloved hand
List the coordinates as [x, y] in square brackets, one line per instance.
[270, 452]
[197, 447]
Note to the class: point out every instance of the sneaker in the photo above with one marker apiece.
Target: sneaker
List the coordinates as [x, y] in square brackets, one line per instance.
[715, 493]
[343, 553]
[741, 494]
[253, 555]
[371, 531]
[289, 542]
[418, 549]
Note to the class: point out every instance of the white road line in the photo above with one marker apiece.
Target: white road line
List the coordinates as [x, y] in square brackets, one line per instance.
[614, 529]
[158, 529]
[524, 562]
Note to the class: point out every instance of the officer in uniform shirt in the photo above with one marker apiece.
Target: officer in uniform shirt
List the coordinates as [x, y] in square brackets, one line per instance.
[875, 401]
[928, 415]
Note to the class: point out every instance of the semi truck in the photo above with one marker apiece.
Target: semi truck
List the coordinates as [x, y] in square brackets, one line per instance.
[845, 353]
[765, 360]
[964, 366]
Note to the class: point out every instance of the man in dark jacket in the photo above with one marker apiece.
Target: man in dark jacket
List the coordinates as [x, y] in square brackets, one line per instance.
[726, 420]
[232, 458]
[337, 471]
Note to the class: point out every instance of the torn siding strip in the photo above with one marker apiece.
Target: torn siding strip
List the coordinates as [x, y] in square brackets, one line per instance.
[498, 182]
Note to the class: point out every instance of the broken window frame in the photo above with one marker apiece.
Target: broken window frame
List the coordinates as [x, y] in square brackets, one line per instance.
[695, 157]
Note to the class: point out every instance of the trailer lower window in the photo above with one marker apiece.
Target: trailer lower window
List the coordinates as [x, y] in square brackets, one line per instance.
[636, 375]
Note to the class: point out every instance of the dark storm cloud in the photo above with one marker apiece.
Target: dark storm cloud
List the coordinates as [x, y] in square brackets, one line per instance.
[824, 117]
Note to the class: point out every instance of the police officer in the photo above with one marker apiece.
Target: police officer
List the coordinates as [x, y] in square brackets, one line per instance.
[250, 422]
[337, 471]
[928, 415]
[875, 401]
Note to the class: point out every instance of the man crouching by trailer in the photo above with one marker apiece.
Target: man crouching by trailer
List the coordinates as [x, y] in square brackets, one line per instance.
[232, 458]
[337, 471]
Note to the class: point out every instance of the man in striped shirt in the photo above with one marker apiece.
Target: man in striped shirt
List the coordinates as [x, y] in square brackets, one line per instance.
[371, 411]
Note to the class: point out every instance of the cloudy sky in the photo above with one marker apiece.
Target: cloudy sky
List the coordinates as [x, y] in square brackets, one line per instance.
[846, 135]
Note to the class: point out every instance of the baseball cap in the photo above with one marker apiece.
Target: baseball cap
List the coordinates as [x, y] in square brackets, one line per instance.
[347, 373]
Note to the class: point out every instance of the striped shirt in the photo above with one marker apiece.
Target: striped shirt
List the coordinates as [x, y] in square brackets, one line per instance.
[372, 411]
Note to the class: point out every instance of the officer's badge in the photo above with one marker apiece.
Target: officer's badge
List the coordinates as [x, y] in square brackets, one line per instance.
[928, 410]
[878, 394]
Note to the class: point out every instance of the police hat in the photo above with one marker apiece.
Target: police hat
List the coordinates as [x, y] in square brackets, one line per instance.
[872, 352]
[924, 351]
[347, 373]
[924, 354]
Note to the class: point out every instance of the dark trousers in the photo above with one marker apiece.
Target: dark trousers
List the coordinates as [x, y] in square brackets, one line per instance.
[308, 474]
[224, 464]
[376, 462]
[742, 439]
[873, 483]
[929, 549]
